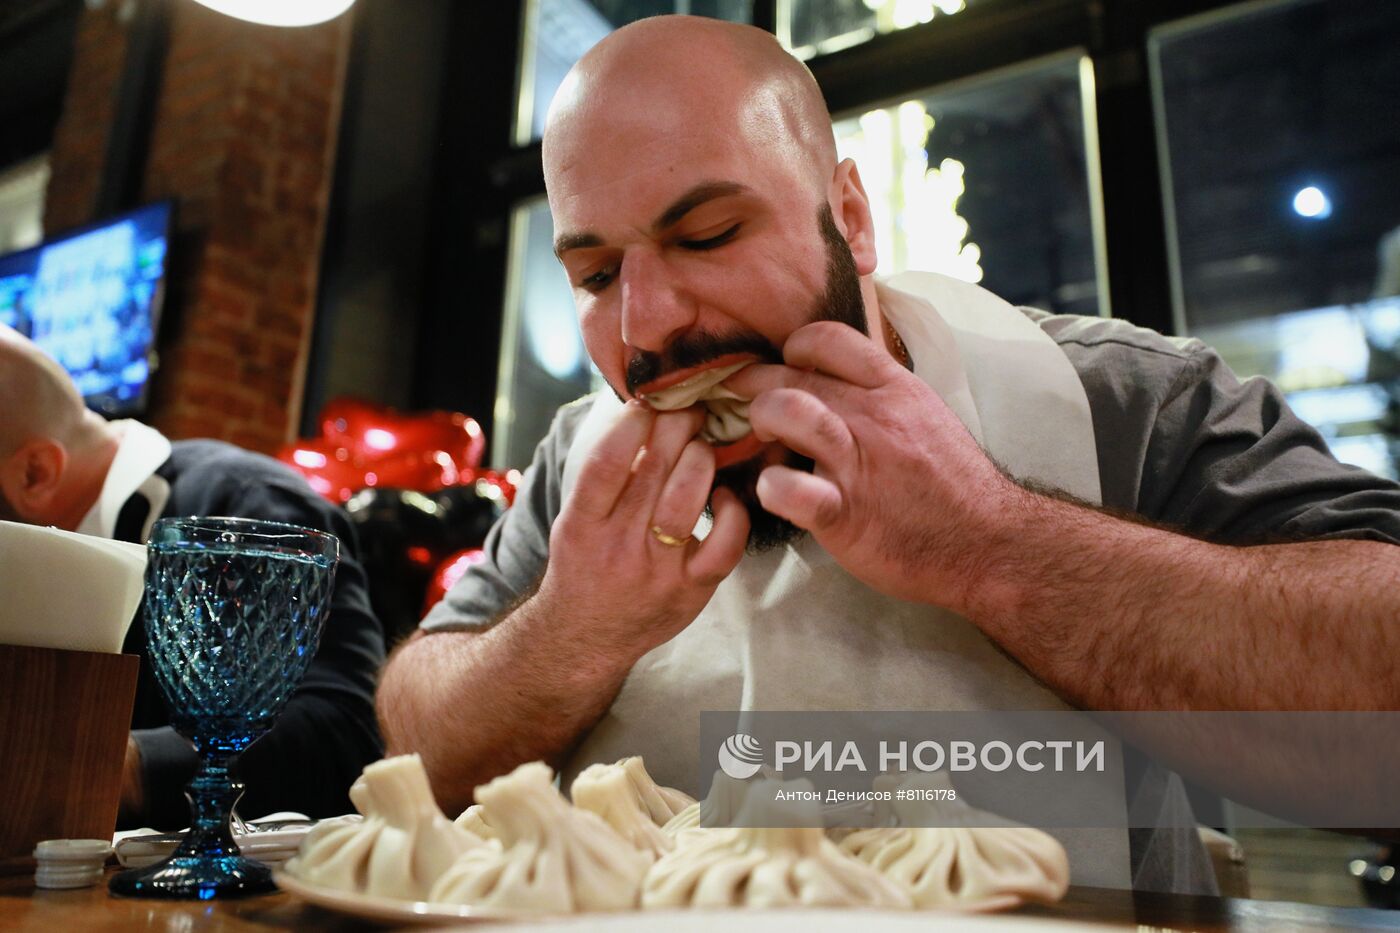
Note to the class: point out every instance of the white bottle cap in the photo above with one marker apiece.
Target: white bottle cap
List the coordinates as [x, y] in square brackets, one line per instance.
[70, 863]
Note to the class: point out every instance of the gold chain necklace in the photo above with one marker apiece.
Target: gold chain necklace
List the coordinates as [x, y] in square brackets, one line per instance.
[896, 342]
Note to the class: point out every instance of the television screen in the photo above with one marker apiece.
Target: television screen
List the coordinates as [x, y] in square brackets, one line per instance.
[91, 299]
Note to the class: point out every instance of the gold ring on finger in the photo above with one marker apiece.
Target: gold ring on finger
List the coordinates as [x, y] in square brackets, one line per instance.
[668, 540]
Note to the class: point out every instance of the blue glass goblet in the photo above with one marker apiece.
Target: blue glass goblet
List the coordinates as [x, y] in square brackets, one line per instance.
[233, 615]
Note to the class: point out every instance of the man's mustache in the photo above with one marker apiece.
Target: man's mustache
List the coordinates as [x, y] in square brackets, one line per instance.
[692, 350]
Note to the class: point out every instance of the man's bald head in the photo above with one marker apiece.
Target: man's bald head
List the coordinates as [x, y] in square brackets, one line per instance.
[37, 398]
[54, 453]
[691, 75]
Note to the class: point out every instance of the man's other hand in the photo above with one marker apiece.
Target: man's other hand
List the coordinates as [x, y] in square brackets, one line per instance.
[901, 494]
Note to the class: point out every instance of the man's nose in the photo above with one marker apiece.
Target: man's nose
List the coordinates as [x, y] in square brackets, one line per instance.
[655, 304]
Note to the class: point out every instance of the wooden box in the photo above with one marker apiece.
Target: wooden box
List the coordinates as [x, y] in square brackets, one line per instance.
[64, 721]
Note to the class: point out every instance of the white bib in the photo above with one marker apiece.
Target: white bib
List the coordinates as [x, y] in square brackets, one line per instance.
[791, 630]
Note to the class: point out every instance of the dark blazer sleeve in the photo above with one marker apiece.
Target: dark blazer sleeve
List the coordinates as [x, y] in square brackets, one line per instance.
[327, 733]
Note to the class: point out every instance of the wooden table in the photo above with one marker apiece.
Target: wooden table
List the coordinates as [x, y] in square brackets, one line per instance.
[93, 910]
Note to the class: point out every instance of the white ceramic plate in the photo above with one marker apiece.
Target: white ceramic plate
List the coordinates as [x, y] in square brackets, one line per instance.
[396, 911]
[392, 909]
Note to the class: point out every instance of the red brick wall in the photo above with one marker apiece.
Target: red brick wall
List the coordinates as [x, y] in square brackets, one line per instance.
[243, 139]
[80, 139]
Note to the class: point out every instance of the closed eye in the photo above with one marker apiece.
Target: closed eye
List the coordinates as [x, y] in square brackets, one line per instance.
[711, 242]
[598, 280]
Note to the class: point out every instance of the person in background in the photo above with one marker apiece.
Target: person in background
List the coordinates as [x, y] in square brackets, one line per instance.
[65, 466]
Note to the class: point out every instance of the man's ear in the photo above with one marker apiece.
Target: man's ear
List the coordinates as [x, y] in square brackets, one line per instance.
[850, 207]
[31, 477]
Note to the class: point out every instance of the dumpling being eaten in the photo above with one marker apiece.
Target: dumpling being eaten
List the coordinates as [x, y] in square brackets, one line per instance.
[766, 867]
[726, 414]
[961, 865]
[400, 847]
[626, 797]
[550, 856]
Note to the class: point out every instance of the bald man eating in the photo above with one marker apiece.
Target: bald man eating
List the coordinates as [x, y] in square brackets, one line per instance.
[899, 494]
[63, 465]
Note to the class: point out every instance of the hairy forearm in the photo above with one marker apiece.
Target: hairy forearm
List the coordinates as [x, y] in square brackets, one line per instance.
[475, 705]
[1113, 614]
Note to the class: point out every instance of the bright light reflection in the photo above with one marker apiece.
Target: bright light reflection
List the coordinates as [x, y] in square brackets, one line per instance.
[901, 14]
[380, 439]
[1312, 202]
[280, 12]
[914, 206]
[308, 458]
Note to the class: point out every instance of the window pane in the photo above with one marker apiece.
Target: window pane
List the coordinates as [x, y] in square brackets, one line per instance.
[558, 32]
[988, 181]
[543, 360]
[816, 27]
[1280, 133]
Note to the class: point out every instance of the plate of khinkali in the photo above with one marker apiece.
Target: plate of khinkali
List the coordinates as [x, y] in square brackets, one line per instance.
[624, 845]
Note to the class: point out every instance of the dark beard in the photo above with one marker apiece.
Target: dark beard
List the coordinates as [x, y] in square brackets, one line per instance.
[842, 301]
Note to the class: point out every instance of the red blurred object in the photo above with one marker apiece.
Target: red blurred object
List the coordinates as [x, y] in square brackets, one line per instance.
[374, 432]
[419, 470]
[363, 445]
[507, 482]
[328, 467]
[448, 573]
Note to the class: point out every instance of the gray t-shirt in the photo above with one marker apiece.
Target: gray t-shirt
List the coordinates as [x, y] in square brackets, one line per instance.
[1181, 442]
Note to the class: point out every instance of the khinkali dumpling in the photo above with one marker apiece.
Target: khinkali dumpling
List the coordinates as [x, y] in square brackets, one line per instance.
[626, 797]
[717, 809]
[475, 821]
[400, 847]
[766, 867]
[961, 865]
[726, 414]
[550, 856]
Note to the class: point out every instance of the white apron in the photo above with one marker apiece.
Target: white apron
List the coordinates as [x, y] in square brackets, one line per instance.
[792, 630]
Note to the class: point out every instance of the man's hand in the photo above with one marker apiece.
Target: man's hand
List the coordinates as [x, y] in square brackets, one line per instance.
[631, 591]
[901, 494]
[476, 704]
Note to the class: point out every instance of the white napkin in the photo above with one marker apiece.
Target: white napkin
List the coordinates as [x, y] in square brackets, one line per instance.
[64, 590]
[137, 848]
